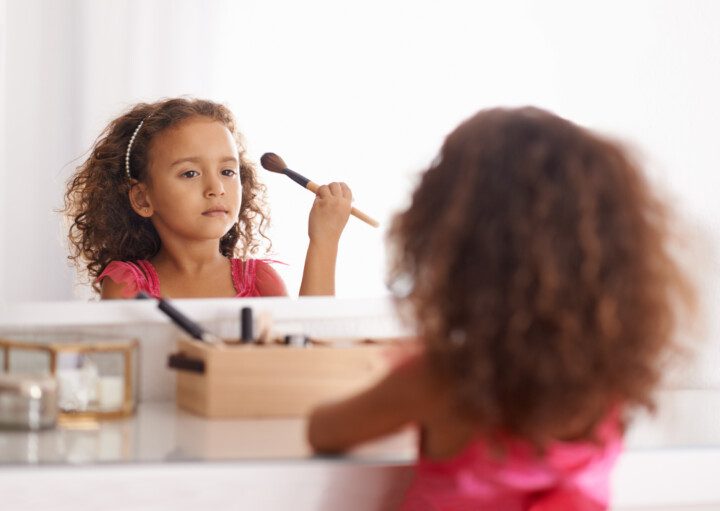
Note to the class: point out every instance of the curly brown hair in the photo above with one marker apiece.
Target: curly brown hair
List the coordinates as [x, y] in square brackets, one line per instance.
[104, 226]
[534, 261]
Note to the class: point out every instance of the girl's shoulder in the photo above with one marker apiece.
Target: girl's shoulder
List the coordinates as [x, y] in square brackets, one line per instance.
[256, 277]
[125, 279]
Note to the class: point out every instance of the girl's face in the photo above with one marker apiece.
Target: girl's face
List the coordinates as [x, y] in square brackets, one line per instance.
[193, 191]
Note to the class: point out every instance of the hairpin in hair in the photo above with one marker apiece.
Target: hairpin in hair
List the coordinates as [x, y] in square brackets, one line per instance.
[129, 147]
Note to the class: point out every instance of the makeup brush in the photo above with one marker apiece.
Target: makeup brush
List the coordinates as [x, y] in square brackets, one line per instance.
[274, 163]
[181, 320]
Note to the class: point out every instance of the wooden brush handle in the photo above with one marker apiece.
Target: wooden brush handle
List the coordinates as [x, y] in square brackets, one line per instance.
[313, 187]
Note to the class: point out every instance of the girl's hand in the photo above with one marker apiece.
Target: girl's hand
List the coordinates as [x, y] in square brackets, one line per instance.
[330, 212]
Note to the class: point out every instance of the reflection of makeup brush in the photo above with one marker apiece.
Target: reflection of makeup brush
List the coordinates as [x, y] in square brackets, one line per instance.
[181, 320]
[274, 163]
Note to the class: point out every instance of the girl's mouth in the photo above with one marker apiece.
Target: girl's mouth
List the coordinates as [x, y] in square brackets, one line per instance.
[215, 212]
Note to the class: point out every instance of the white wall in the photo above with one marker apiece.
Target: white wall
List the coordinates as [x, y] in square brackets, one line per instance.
[3, 165]
[42, 114]
[362, 92]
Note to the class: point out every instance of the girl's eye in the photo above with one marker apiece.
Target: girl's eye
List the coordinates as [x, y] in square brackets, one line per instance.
[229, 172]
[190, 173]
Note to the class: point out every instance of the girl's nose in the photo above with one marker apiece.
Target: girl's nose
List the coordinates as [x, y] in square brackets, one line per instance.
[214, 186]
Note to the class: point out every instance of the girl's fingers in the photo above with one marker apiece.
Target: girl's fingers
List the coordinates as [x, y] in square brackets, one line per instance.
[336, 189]
[323, 191]
[346, 192]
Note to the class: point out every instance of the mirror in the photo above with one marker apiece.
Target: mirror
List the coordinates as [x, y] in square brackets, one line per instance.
[361, 93]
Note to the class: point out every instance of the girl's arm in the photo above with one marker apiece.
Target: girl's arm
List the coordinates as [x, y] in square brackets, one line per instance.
[328, 217]
[404, 396]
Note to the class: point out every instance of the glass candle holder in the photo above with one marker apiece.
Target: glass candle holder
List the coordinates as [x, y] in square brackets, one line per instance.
[95, 379]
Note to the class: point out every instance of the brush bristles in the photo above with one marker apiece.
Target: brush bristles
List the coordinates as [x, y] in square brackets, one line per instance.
[273, 163]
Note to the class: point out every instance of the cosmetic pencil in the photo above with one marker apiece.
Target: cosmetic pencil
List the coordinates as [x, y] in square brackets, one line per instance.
[246, 325]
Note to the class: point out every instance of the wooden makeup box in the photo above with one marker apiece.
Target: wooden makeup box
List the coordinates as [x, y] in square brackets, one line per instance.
[255, 380]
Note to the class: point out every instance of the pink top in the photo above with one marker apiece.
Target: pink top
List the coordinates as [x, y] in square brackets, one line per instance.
[254, 277]
[570, 476]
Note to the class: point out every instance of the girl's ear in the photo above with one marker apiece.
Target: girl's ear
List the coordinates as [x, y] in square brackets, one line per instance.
[139, 199]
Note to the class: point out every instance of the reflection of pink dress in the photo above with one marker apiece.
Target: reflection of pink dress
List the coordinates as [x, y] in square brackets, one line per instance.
[251, 278]
[570, 476]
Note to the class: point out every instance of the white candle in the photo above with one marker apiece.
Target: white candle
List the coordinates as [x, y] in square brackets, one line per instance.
[111, 392]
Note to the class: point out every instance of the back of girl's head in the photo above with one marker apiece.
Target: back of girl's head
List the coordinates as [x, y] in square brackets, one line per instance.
[535, 260]
[104, 226]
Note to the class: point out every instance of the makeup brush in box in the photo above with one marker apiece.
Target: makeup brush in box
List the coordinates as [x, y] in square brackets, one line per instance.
[273, 163]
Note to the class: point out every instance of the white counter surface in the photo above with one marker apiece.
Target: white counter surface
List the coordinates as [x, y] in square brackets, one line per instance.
[159, 432]
[164, 458]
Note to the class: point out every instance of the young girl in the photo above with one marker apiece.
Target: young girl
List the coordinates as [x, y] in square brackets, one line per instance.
[168, 200]
[533, 261]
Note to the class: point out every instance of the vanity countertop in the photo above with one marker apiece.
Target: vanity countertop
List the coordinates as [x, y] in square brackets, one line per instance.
[160, 432]
[164, 455]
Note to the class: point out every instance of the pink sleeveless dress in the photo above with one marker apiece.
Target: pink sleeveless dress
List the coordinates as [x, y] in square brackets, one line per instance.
[251, 278]
[570, 476]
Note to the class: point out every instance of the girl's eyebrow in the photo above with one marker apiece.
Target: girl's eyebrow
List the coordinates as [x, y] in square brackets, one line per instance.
[197, 159]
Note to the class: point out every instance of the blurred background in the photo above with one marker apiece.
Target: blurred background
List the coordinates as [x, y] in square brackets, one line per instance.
[362, 92]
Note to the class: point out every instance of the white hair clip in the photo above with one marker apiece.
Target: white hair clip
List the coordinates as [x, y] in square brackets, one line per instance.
[129, 147]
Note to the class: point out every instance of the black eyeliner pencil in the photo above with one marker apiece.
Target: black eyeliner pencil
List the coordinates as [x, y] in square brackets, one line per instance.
[246, 325]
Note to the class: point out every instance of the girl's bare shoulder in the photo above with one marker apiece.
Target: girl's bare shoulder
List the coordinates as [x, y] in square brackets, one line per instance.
[414, 385]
